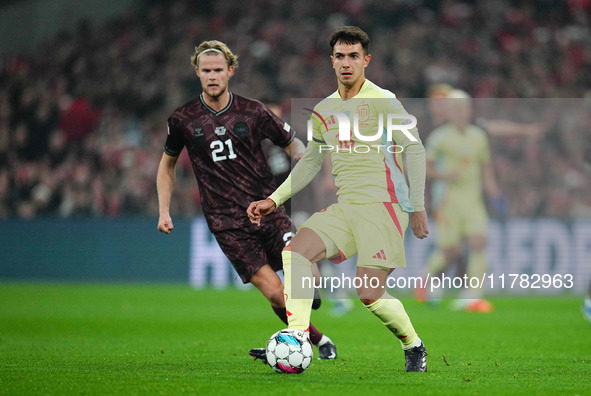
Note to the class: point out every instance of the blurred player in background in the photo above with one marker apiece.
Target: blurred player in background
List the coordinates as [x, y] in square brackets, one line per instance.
[458, 160]
[439, 112]
[436, 103]
[222, 133]
[436, 95]
[374, 201]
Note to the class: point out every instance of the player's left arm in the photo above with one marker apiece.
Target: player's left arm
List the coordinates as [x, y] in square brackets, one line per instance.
[488, 174]
[490, 181]
[416, 169]
[506, 128]
[295, 149]
[407, 136]
[416, 162]
[493, 192]
[281, 133]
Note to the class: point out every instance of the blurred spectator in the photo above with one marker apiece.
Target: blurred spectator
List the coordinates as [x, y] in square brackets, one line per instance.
[78, 120]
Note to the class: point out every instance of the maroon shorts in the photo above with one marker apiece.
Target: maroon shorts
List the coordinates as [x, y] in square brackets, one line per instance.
[248, 250]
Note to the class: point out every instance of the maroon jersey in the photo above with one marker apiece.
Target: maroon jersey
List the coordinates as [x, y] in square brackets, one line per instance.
[228, 160]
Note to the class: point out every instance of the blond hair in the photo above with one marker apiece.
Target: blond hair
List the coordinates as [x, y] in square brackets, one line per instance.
[458, 94]
[439, 90]
[213, 47]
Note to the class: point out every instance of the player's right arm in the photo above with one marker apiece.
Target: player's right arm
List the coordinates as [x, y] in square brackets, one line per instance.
[164, 185]
[301, 175]
[166, 172]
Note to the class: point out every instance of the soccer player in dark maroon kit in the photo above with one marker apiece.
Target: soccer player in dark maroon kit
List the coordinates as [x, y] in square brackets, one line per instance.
[222, 133]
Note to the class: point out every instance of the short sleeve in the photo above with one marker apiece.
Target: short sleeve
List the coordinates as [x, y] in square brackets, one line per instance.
[274, 128]
[174, 141]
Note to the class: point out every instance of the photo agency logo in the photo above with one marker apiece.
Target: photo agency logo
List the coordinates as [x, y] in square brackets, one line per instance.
[364, 133]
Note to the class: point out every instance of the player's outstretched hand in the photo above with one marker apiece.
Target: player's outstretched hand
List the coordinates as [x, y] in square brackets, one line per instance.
[534, 130]
[257, 209]
[165, 224]
[419, 224]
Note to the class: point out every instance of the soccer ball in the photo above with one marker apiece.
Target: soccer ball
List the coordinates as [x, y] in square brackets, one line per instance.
[289, 351]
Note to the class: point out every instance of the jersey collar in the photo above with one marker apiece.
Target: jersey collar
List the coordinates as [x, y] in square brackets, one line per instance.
[217, 113]
[364, 86]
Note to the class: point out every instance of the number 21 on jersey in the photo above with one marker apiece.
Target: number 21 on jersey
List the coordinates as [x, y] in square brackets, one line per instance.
[218, 150]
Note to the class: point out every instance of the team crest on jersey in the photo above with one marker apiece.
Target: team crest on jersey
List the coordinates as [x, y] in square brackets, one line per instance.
[198, 132]
[363, 111]
[220, 131]
[241, 129]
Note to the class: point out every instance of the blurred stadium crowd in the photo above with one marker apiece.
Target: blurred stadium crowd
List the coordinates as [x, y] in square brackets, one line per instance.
[83, 118]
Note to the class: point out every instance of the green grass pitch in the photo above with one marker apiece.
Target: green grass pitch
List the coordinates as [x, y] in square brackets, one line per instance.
[58, 339]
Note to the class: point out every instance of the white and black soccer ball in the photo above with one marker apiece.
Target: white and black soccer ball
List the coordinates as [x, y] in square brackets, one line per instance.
[289, 351]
